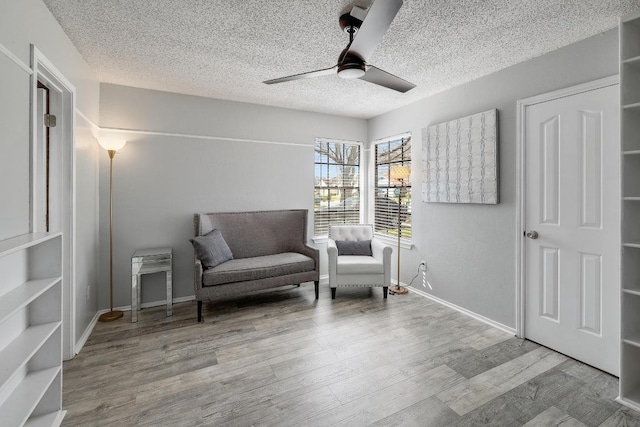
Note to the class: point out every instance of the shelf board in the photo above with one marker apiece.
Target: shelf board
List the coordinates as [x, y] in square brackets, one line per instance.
[631, 199]
[633, 106]
[631, 292]
[19, 297]
[631, 153]
[18, 407]
[631, 245]
[21, 350]
[24, 241]
[46, 420]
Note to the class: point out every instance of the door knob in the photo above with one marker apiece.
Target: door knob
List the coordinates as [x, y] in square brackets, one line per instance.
[532, 234]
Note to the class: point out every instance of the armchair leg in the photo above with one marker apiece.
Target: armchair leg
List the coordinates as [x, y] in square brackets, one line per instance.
[199, 311]
[317, 285]
[333, 293]
[385, 291]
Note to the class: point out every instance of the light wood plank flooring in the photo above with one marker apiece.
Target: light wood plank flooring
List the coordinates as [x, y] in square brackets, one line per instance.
[281, 358]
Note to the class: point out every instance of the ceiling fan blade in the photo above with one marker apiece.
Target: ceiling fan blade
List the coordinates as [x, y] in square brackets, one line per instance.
[307, 75]
[374, 26]
[377, 76]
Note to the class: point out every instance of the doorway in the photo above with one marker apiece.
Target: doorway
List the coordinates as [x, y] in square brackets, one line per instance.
[53, 175]
[569, 222]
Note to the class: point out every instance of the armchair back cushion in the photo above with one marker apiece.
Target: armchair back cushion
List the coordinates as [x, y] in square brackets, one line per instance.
[351, 232]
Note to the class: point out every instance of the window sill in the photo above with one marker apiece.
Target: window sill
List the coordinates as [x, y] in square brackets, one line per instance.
[393, 241]
[320, 240]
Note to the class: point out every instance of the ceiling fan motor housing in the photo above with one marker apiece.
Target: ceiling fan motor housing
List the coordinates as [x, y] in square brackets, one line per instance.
[351, 66]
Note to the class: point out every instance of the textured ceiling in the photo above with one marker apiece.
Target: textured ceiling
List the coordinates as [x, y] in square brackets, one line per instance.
[225, 48]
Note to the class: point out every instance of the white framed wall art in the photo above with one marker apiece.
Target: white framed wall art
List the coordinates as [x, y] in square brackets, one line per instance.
[460, 160]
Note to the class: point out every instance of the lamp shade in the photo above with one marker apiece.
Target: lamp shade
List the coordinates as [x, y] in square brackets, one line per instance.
[112, 144]
[400, 172]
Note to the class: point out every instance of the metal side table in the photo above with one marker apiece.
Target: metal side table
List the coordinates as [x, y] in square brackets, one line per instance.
[145, 261]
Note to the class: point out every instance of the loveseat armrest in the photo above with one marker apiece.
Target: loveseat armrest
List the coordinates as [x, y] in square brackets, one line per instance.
[197, 278]
[312, 253]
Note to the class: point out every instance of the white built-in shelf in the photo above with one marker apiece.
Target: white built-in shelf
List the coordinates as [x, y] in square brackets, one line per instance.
[21, 350]
[17, 409]
[31, 330]
[24, 241]
[629, 51]
[631, 292]
[47, 420]
[24, 294]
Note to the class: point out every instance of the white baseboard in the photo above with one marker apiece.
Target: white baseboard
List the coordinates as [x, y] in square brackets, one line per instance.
[462, 310]
[87, 333]
[324, 279]
[153, 303]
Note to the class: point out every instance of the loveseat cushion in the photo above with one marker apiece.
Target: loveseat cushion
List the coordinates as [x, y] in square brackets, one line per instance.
[256, 268]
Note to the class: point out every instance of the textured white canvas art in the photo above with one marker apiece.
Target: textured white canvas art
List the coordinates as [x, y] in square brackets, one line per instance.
[460, 160]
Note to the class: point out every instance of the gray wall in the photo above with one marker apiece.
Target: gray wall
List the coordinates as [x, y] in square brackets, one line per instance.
[22, 23]
[470, 249]
[160, 181]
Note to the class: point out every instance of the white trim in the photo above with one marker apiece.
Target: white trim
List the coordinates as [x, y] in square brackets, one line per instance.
[628, 403]
[462, 310]
[347, 141]
[87, 333]
[324, 279]
[88, 120]
[15, 59]
[152, 304]
[44, 70]
[208, 137]
[392, 138]
[521, 107]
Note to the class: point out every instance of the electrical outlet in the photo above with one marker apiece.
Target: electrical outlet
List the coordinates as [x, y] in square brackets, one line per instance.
[423, 265]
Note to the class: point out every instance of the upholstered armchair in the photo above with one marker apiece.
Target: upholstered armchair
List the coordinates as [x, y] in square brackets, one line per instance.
[357, 258]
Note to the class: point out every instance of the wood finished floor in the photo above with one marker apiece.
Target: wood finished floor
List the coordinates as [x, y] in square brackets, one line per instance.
[282, 358]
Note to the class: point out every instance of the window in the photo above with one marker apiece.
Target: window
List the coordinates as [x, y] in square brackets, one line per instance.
[392, 197]
[337, 184]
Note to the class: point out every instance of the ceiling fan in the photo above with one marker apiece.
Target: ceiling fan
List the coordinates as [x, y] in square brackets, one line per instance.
[365, 29]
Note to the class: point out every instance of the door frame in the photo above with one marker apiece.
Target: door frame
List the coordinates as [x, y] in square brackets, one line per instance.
[63, 200]
[521, 107]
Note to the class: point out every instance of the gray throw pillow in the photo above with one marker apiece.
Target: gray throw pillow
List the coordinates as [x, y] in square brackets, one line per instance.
[211, 249]
[350, 247]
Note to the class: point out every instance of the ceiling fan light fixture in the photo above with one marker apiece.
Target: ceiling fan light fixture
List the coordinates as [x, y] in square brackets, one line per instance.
[351, 71]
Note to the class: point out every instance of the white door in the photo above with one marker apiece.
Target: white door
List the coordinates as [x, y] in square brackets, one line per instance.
[572, 203]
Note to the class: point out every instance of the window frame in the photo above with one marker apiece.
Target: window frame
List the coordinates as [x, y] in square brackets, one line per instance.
[405, 242]
[320, 238]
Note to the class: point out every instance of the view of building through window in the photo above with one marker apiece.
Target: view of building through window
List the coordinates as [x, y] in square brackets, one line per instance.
[337, 184]
[392, 198]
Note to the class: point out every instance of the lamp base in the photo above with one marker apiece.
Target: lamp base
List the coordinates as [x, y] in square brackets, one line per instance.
[110, 316]
[398, 290]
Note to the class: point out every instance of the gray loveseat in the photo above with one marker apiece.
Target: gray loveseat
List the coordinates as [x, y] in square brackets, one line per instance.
[269, 249]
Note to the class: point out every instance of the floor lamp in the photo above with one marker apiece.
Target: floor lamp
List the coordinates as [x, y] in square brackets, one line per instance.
[112, 146]
[399, 173]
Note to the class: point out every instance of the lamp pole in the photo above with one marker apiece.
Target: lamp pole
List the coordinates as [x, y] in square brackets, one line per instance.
[399, 173]
[111, 147]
